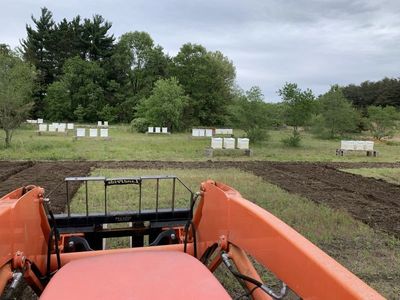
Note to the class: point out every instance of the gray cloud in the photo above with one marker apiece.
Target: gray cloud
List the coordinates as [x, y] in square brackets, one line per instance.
[315, 43]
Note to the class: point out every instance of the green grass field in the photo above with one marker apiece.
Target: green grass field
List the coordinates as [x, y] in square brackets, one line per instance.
[372, 255]
[124, 145]
[391, 175]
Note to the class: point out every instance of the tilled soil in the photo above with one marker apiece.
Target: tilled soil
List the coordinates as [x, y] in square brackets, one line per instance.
[50, 176]
[375, 202]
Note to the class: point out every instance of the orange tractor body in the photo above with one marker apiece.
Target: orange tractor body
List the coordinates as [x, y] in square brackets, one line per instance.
[222, 227]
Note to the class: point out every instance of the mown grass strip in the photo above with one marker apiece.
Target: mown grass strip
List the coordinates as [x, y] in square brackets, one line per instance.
[391, 175]
[125, 145]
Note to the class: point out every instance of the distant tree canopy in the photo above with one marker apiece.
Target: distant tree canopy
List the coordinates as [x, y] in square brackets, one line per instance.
[382, 93]
[85, 74]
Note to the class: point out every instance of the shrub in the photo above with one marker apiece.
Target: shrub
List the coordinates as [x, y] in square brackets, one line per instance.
[292, 141]
[139, 125]
[257, 135]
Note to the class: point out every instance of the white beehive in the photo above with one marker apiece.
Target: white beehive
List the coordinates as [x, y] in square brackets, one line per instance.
[62, 127]
[99, 123]
[216, 143]
[52, 128]
[358, 145]
[164, 130]
[202, 132]
[369, 146]
[105, 123]
[209, 132]
[40, 121]
[104, 132]
[150, 129]
[229, 143]
[219, 131]
[42, 127]
[157, 130]
[347, 145]
[243, 143]
[80, 132]
[195, 132]
[70, 126]
[93, 132]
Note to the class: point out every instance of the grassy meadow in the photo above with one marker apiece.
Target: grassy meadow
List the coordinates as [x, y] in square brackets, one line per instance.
[372, 255]
[391, 175]
[125, 145]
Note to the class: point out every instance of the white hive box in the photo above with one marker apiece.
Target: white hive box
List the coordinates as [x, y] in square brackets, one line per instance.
[202, 132]
[195, 132]
[62, 127]
[40, 121]
[80, 132]
[52, 128]
[347, 145]
[243, 143]
[369, 146]
[104, 132]
[228, 131]
[105, 123]
[229, 143]
[209, 132]
[42, 127]
[219, 131]
[360, 145]
[70, 126]
[93, 132]
[150, 129]
[164, 130]
[157, 130]
[99, 123]
[216, 143]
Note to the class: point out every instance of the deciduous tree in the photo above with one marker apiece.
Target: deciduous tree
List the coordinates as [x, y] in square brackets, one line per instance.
[382, 121]
[337, 114]
[166, 105]
[16, 82]
[299, 106]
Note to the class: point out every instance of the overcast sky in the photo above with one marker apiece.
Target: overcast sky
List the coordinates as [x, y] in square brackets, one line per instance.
[310, 42]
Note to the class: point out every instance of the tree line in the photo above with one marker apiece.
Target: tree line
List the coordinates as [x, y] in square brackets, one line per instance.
[85, 74]
[77, 71]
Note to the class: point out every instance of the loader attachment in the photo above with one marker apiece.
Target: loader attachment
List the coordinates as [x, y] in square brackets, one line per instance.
[56, 253]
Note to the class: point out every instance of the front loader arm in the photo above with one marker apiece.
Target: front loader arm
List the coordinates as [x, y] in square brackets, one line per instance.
[24, 233]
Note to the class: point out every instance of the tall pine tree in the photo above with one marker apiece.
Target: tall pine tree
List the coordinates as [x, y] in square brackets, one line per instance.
[37, 50]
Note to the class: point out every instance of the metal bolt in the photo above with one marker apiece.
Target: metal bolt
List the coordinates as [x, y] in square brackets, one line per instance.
[71, 244]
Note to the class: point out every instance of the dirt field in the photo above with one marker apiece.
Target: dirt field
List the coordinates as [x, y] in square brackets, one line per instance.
[375, 202]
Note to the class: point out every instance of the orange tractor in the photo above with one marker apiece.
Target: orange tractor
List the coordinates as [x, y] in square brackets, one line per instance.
[61, 256]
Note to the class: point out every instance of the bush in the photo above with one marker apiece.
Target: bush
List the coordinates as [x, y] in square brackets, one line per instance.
[139, 125]
[257, 135]
[292, 141]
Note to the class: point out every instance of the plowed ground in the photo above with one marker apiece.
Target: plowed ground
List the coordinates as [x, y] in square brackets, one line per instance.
[374, 202]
